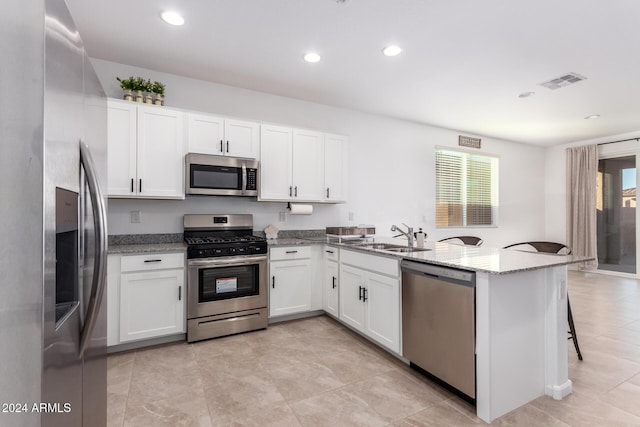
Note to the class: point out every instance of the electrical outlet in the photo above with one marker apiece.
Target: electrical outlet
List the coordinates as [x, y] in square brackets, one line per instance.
[282, 216]
[135, 217]
[351, 216]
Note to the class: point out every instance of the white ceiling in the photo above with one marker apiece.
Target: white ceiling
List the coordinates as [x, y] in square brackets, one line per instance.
[463, 66]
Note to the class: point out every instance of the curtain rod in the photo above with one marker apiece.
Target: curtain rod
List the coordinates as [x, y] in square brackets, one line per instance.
[622, 140]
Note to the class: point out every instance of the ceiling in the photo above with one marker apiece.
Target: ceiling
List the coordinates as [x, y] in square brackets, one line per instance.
[463, 64]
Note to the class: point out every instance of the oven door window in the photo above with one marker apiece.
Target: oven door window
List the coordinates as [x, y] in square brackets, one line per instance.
[216, 177]
[222, 283]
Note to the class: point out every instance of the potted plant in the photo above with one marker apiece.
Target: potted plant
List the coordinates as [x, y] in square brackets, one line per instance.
[148, 86]
[158, 89]
[127, 86]
[139, 85]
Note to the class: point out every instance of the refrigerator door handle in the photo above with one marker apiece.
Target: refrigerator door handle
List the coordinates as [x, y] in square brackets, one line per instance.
[100, 225]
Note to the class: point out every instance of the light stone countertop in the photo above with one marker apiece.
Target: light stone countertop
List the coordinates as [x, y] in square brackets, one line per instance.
[147, 248]
[472, 258]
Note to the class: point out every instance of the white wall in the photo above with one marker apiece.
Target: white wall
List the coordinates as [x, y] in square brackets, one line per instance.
[391, 167]
[555, 178]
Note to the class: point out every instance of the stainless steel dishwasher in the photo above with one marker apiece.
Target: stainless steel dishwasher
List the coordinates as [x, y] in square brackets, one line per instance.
[438, 323]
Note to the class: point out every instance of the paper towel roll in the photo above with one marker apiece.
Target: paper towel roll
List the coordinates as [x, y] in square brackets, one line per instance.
[300, 209]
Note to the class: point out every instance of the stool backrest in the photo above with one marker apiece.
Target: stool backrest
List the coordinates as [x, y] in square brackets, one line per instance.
[466, 240]
[546, 247]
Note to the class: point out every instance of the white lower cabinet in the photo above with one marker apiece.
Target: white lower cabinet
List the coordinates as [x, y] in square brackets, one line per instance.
[370, 296]
[331, 282]
[290, 280]
[147, 296]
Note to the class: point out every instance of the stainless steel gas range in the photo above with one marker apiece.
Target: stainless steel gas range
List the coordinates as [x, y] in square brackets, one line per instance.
[226, 278]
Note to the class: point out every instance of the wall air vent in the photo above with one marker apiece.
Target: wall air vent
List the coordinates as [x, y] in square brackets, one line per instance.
[562, 81]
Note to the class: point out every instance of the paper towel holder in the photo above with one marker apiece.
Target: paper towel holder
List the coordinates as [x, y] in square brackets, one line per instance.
[307, 209]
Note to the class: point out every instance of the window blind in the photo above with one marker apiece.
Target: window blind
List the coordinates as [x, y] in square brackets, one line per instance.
[466, 189]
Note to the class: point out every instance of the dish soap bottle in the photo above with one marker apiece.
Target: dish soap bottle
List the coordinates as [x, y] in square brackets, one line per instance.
[420, 238]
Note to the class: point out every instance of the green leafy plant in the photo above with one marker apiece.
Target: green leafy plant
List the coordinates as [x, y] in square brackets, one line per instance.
[127, 84]
[139, 83]
[158, 88]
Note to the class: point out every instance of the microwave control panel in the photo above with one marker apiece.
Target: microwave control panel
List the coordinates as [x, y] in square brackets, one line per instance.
[252, 177]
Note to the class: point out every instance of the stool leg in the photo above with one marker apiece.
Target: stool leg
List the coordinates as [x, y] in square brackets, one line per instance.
[572, 330]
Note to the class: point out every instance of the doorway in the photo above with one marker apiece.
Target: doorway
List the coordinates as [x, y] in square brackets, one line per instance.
[616, 214]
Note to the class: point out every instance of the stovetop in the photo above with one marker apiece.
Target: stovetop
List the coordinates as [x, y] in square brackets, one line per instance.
[203, 240]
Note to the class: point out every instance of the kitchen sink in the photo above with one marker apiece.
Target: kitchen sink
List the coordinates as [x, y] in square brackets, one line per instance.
[406, 249]
[392, 248]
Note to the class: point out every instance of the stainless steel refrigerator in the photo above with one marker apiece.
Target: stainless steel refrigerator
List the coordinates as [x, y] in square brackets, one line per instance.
[52, 221]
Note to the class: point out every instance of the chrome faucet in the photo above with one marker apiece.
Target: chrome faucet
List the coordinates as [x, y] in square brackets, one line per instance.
[408, 233]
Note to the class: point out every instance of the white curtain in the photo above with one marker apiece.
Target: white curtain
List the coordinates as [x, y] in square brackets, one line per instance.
[582, 173]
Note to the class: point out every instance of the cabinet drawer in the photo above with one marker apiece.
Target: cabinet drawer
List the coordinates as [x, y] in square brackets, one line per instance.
[289, 252]
[152, 261]
[331, 253]
[375, 263]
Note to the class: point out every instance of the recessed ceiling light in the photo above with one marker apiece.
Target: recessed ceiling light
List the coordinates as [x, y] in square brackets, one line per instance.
[311, 57]
[593, 116]
[172, 18]
[526, 94]
[392, 50]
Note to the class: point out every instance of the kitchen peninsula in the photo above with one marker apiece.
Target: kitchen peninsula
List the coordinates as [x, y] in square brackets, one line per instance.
[521, 320]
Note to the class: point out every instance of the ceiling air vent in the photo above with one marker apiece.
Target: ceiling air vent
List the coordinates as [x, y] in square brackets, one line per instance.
[562, 81]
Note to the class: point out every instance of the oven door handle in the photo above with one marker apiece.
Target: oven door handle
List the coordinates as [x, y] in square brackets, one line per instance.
[244, 260]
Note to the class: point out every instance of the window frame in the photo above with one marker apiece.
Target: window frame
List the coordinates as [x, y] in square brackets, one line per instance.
[494, 178]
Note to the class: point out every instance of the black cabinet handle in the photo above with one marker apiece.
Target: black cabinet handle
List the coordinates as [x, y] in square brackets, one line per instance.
[273, 282]
[291, 252]
[290, 190]
[140, 187]
[221, 149]
[329, 252]
[153, 260]
[296, 191]
[227, 146]
[334, 282]
[364, 294]
[132, 185]
[327, 192]
[179, 293]
[359, 293]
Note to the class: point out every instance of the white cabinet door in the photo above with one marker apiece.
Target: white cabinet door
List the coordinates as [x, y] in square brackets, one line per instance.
[335, 156]
[151, 304]
[113, 300]
[289, 287]
[383, 310]
[121, 143]
[275, 163]
[352, 308]
[307, 165]
[331, 288]
[205, 134]
[241, 139]
[160, 153]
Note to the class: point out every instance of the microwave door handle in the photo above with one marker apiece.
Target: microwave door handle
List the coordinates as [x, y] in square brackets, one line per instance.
[100, 225]
[244, 179]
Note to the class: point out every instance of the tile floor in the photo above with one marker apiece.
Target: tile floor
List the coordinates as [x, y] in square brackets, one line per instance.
[315, 372]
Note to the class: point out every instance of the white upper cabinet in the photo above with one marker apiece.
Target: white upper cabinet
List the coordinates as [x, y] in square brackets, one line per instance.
[242, 139]
[292, 163]
[276, 156]
[335, 166]
[307, 165]
[145, 151]
[223, 137]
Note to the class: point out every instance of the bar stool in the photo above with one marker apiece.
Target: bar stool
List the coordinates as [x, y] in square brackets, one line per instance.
[556, 248]
[466, 240]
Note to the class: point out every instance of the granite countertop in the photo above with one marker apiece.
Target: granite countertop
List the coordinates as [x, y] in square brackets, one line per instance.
[147, 248]
[474, 258]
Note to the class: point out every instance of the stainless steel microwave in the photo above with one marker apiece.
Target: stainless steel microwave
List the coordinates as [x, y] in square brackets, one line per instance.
[211, 175]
